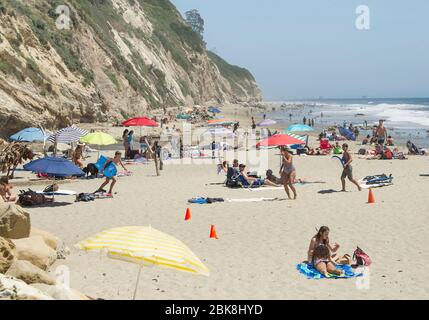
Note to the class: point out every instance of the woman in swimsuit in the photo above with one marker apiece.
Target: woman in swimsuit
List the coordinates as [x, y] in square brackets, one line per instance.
[77, 155]
[323, 262]
[288, 172]
[322, 238]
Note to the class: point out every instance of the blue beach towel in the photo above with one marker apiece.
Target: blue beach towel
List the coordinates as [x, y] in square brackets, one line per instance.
[308, 270]
[198, 200]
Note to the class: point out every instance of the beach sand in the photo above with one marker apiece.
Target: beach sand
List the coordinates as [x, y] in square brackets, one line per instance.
[259, 243]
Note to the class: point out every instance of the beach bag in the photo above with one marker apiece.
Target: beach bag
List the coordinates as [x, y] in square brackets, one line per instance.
[387, 155]
[361, 258]
[362, 152]
[31, 198]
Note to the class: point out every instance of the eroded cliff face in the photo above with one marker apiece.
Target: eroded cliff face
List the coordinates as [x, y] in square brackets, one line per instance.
[119, 58]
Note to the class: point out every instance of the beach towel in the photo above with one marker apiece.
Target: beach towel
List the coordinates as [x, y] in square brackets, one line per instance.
[205, 200]
[310, 272]
[125, 174]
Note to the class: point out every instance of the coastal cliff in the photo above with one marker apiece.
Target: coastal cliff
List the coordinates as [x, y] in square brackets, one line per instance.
[102, 60]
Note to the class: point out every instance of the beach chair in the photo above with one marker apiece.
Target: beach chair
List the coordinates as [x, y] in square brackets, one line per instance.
[412, 149]
[325, 146]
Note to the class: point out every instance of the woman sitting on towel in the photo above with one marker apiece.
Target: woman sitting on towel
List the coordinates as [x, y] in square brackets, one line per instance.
[322, 238]
[6, 190]
[323, 261]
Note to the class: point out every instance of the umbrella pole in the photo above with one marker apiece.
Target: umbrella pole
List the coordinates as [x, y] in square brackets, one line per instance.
[137, 282]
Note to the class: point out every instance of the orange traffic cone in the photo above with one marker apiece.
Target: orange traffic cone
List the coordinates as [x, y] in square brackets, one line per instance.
[213, 234]
[188, 214]
[371, 197]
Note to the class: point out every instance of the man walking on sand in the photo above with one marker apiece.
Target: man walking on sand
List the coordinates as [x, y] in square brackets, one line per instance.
[347, 169]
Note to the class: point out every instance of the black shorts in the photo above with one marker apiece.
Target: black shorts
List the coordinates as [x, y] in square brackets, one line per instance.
[381, 140]
[347, 172]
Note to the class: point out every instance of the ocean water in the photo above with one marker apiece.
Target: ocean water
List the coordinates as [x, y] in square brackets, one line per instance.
[406, 119]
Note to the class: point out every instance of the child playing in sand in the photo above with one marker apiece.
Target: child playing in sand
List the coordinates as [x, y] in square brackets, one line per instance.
[111, 161]
[347, 169]
[323, 262]
[6, 190]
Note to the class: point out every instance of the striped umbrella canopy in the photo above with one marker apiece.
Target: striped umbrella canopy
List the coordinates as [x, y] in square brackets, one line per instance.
[67, 135]
[302, 138]
[145, 246]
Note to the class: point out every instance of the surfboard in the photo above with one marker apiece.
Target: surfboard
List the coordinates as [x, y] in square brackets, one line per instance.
[58, 193]
[347, 133]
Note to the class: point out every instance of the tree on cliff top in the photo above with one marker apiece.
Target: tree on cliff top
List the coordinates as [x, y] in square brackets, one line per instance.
[195, 21]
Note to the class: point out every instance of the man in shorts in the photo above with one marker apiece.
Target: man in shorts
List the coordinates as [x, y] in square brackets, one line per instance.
[381, 132]
[347, 168]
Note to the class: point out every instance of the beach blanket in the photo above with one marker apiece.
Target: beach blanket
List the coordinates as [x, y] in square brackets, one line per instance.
[125, 174]
[310, 272]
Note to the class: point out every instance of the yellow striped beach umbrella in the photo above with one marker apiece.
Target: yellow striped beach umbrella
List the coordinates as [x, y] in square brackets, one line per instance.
[145, 246]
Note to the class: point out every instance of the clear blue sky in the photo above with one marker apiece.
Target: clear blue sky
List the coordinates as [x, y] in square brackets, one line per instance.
[311, 48]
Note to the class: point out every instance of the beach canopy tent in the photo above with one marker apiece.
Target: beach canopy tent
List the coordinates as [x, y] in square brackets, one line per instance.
[54, 166]
[266, 123]
[299, 128]
[140, 122]
[145, 246]
[278, 140]
[221, 122]
[98, 138]
[29, 135]
[67, 135]
[214, 110]
[219, 132]
[183, 116]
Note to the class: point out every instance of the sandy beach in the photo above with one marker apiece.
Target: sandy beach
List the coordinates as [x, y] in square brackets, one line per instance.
[260, 243]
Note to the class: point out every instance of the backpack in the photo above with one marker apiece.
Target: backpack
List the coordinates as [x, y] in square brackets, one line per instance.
[361, 258]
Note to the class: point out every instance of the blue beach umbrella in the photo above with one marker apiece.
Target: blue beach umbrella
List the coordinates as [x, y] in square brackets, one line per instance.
[299, 128]
[214, 110]
[54, 166]
[29, 135]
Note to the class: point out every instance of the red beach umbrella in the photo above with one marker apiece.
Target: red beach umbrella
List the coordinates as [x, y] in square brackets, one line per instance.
[140, 122]
[279, 140]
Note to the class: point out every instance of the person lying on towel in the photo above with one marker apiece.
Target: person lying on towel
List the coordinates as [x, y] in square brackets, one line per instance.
[251, 181]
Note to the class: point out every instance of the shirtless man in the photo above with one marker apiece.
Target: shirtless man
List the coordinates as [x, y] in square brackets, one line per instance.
[78, 155]
[381, 132]
[112, 161]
